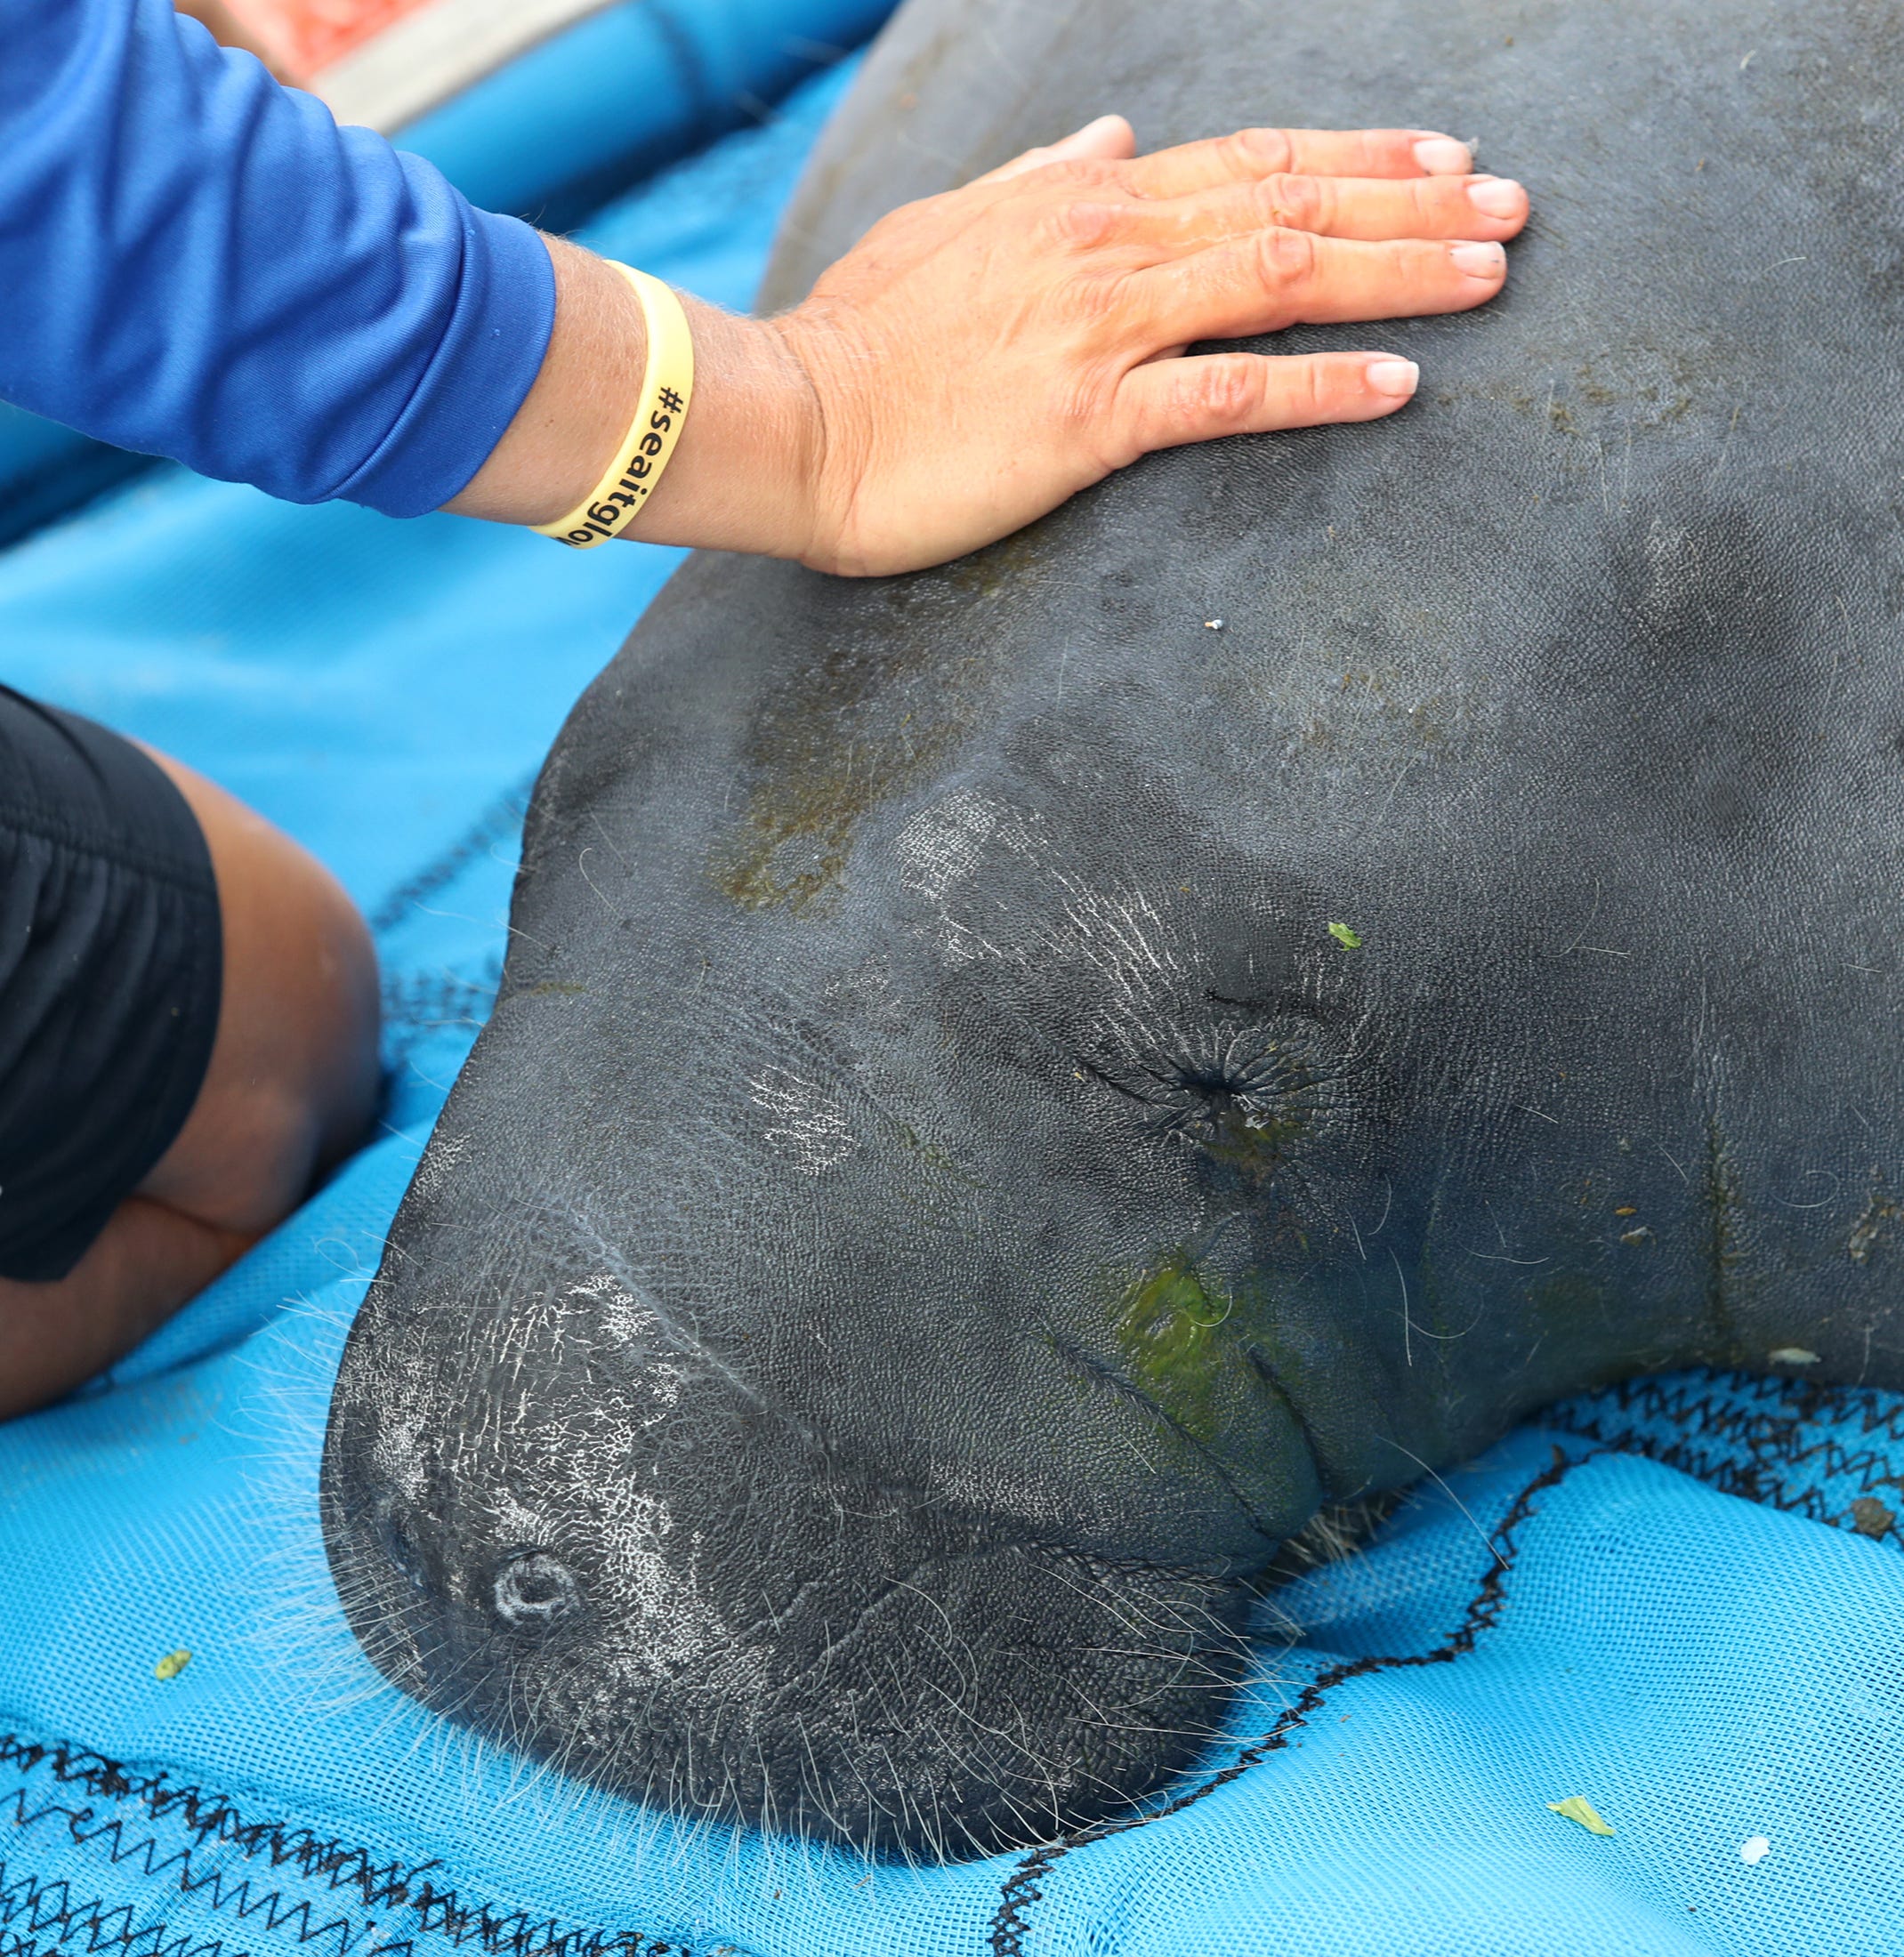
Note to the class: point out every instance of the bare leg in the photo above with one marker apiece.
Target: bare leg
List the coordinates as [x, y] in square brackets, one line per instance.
[290, 1089]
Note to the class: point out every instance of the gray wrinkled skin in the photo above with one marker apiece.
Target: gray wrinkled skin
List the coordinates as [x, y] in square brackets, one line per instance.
[935, 1204]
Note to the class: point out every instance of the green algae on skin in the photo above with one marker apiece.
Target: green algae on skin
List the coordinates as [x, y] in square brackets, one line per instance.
[868, 718]
[1204, 1351]
[1166, 1331]
[1253, 1141]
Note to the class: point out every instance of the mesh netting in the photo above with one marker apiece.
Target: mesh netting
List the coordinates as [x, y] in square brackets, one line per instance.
[1681, 1600]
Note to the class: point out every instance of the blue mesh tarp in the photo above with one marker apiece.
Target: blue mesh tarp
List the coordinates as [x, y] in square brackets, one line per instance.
[1682, 1600]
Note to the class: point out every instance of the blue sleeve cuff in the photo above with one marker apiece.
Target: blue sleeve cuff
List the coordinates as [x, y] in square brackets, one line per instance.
[491, 349]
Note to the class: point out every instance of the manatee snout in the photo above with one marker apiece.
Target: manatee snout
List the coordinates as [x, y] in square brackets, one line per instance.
[710, 1612]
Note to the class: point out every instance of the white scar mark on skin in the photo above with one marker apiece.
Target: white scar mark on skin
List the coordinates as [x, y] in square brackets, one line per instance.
[628, 1319]
[671, 1626]
[1121, 935]
[1118, 934]
[809, 1127]
[399, 1453]
[944, 843]
[672, 1327]
[984, 1487]
[444, 1154]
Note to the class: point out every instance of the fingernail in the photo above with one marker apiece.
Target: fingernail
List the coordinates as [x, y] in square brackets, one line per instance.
[1443, 157]
[1480, 261]
[1498, 196]
[1392, 376]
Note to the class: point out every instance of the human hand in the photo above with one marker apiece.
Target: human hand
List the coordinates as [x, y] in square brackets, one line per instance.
[982, 356]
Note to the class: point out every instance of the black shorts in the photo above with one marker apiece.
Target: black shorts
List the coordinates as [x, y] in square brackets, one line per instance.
[111, 961]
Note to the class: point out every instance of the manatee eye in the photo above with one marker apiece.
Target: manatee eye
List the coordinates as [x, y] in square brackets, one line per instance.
[533, 1589]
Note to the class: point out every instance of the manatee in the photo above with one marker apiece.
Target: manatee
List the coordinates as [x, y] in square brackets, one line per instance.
[1015, 1085]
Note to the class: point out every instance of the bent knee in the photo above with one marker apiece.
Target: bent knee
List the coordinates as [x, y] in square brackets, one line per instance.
[292, 1082]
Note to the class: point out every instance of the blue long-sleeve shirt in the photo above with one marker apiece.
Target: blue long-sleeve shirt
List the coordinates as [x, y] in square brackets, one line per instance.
[197, 262]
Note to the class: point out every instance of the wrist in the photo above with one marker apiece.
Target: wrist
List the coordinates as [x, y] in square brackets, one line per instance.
[745, 473]
[748, 469]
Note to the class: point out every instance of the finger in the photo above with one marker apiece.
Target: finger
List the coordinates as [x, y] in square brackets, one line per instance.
[1109, 139]
[1167, 403]
[1254, 153]
[1279, 279]
[1368, 208]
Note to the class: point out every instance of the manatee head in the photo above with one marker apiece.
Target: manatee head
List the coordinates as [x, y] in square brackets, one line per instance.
[859, 1412]
[611, 1544]
[892, 1272]
[994, 1115]
[991, 1118]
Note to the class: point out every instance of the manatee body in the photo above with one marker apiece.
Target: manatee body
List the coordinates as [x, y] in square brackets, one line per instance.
[1014, 1084]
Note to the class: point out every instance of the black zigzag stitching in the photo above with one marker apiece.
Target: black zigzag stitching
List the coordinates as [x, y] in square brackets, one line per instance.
[1752, 1427]
[1755, 1437]
[41, 1919]
[418, 1003]
[1022, 1888]
[502, 818]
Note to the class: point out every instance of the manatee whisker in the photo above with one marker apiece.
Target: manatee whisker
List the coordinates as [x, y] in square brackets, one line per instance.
[1493, 1547]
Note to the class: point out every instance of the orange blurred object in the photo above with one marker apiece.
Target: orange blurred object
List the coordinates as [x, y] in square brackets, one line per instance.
[309, 35]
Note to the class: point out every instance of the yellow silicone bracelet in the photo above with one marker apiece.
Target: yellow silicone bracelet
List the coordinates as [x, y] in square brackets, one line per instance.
[668, 387]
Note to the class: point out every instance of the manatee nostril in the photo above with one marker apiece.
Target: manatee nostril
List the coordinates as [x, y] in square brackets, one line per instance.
[533, 1589]
[399, 1546]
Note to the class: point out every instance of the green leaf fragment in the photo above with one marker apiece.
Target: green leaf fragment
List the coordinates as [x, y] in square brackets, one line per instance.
[1344, 934]
[1578, 1807]
[172, 1665]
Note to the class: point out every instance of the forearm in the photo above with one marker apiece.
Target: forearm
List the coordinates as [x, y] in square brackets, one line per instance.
[201, 264]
